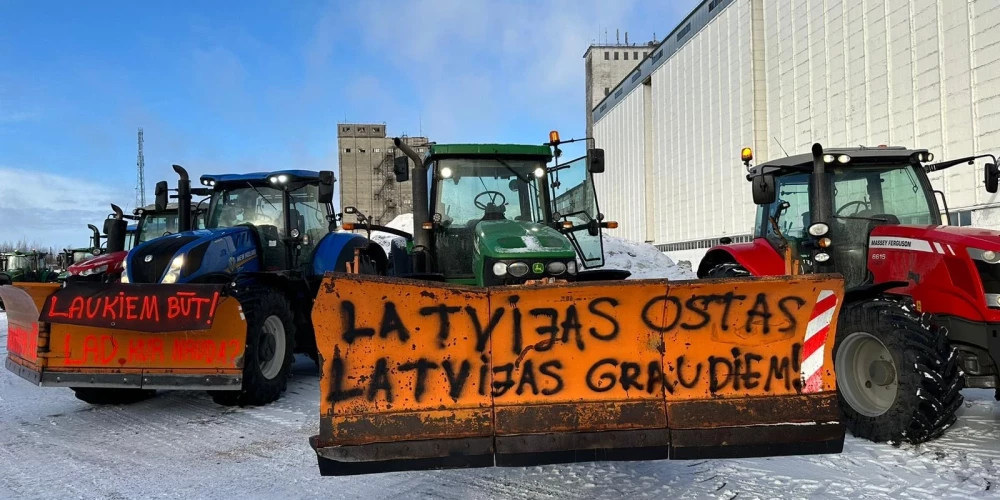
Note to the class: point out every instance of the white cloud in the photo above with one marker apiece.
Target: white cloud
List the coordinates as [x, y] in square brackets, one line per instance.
[53, 210]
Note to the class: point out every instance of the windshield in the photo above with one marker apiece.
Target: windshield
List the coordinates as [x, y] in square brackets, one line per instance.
[258, 205]
[574, 200]
[871, 191]
[80, 256]
[156, 225]
[484, 189]
[17, 262]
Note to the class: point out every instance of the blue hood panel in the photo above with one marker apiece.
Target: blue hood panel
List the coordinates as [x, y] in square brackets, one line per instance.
[206, 252]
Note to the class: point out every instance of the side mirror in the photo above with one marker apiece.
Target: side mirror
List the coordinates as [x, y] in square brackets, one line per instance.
[992, 176]
[350, 210]
[161, 196]
[401, 167]
[595, 160]
[326, 180]
[763, 189]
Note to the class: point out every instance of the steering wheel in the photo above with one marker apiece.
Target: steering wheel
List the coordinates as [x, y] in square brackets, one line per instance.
[855, 202]
[493, 199]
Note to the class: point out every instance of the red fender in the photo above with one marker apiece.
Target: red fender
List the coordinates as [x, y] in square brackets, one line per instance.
[757, 257]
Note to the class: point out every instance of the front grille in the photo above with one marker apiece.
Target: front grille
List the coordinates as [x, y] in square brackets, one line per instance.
[162, 250]
[490, 279]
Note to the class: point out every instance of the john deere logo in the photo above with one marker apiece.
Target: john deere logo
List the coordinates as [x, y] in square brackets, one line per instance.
[149, 258]
[537, 268]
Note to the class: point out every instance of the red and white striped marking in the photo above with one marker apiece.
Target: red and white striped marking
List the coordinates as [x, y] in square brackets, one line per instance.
[814, 345]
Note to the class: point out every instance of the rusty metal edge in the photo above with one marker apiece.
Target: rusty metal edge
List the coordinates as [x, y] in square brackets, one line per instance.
[757, 441]
[579, 441]
[580, 417]
[27, 373]
[210, 382]
[741, 412]
[434, 454]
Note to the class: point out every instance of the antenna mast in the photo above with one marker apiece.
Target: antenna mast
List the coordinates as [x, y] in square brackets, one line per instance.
[140, 182]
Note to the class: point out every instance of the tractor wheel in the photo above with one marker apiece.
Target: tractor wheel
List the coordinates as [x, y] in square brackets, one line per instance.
[898, 378]
[270, 345]
[101, 396]
[727, 270]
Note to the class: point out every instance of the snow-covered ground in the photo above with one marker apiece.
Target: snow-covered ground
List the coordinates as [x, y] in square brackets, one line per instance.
[181, 445]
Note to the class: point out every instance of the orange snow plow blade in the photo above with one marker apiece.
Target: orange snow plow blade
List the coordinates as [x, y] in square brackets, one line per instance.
[421, 375]
[124, 336]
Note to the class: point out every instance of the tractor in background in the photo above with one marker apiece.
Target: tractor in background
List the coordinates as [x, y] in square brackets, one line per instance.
[923, 299]
[151, 222]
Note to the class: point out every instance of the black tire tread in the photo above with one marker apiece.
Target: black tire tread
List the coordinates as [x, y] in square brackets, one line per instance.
[727, 270]
[260, 302]
[925, 406]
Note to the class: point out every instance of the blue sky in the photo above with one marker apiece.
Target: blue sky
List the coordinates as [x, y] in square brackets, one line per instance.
[227, 86]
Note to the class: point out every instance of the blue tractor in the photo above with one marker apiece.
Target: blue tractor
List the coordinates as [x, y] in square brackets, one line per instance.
[269, 237]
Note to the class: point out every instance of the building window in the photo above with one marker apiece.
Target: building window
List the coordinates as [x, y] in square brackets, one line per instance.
[606, 55]
[616, 55]
[375, 129]
[347, 150]
[390, 150]
[378, 150]
[961, 218]
[625, 55]
[362, 129]
[635, 55]
[607, 90]
[361, 150]
[347, 129]
[645, 54]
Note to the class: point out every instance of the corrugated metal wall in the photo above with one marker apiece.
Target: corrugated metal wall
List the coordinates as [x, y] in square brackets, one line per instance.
[917, 73]
[621, 188]
[703, 115]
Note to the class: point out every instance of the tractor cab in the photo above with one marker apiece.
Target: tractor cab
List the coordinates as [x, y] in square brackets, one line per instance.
[28, 267]
[286, 210]
[486, 214]
[821, 215]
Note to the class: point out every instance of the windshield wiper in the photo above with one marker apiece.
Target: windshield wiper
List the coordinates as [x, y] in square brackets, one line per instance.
[262, 196]
[508, 167]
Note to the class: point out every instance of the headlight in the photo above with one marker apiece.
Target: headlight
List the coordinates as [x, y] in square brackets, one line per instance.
[124, 278]
[174, 272]
[517, 269]
[819, 229]
[571, 267]
[539, 172]
[822, 257]
[556, 268]
[96, 270]
[499, 269]
[988, 256]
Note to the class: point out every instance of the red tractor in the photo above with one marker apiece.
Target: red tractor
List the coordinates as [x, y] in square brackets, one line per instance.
[922, 310]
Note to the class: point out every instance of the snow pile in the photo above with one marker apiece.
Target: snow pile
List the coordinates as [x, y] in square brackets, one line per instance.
[643, 260]
[3, 324]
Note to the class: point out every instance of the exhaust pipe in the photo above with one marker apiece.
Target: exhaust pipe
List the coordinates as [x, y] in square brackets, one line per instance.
[115, 229]
[183, 199]
[421, 210]
[95, 240]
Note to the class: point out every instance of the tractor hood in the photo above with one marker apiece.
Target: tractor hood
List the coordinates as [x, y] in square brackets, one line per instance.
[108, 263]
[506, 239]
[204, 252]
[957, 237]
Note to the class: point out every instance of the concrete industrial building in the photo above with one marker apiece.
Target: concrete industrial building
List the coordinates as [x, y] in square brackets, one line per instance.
[606, 65]
[778, 76]
[366, 178]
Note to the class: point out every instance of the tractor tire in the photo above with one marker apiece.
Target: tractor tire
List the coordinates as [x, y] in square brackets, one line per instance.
[270, 347]
[898, 378]
[727, 270]
[101, 396]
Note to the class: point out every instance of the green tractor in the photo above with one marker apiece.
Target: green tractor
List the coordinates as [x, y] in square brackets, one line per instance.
[71, 256]
[520, 220]
[25, 267]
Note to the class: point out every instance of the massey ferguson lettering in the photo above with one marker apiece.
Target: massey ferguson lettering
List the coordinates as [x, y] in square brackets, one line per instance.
[892, 243]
